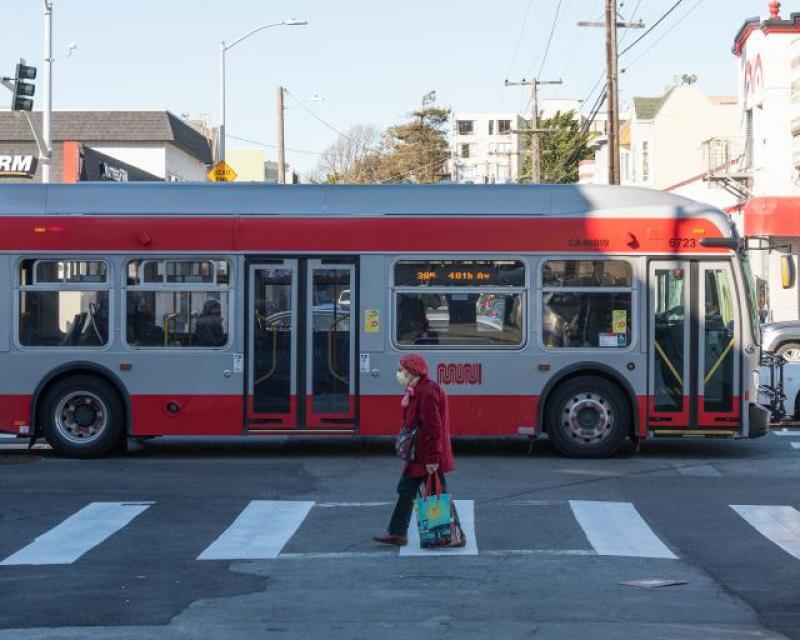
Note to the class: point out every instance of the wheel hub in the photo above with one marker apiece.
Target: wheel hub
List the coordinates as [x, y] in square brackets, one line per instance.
[81, 417]
[588, 417]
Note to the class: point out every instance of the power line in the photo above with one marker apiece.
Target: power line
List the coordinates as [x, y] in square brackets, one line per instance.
[273, 146]
[549, 39]
[633, 17]
[303, 106]
[577, 46]
[654, 25]
[519, 39]
[662, 36]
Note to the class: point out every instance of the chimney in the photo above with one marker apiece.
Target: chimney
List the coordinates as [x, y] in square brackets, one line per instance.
[774, 10]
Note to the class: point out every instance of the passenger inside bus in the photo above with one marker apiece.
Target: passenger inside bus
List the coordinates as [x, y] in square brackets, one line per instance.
[209, 330]
[413, 326]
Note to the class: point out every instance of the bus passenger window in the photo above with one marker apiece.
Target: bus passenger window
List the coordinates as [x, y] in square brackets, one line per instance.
[63, 303]
[459, 303]
[177, 304]
[587, 303]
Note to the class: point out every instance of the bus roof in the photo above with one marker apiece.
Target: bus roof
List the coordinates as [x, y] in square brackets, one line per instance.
[182, 199]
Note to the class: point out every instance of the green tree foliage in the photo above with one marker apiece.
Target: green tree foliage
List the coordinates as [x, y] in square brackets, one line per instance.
[562, 148]
[413, 151]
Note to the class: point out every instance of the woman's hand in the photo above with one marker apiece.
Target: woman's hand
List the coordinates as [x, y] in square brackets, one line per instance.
[431, 468]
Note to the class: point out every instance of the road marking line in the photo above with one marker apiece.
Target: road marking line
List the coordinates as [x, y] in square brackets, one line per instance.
[466, 514]
[701, 470]
[795, 445]
[343, 555]
[260, 531]
[352, 504]
[779, 524]
[617, 529]
[81, 532]
[790, 434]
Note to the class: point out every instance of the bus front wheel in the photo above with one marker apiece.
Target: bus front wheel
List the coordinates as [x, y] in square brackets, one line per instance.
[82, 417]
[588, 417]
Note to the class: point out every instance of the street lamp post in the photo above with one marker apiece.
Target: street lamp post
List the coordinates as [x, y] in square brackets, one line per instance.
[48, 90]
[223, 47]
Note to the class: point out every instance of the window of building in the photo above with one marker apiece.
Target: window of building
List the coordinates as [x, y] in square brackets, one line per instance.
[464, 151]
[459, 303]
[587, 303]
[465, 127]
[503, 127]
[63, 303]
[645, 161]
[491, 127]
[177, 303]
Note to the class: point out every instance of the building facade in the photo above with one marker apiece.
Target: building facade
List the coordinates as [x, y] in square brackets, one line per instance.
[761, 164]
[140, 143]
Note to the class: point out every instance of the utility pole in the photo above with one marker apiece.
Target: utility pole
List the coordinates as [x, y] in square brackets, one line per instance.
[535, 151]
[612, 83]
[281, 144]
[612, 79]
[48, 90]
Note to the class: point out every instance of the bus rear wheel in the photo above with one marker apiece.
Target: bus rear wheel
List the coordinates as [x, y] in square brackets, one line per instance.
[82, 417]
[588, 417]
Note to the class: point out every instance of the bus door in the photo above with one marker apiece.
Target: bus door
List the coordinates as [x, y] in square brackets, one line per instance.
[301, 345]
[693, 331]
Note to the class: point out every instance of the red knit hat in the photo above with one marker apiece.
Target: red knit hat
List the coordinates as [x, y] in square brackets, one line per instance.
[415, 364]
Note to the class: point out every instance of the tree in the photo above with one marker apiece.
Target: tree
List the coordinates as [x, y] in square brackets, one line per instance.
[344, 160]
[417, 151]
[414, 151]
[561, 147]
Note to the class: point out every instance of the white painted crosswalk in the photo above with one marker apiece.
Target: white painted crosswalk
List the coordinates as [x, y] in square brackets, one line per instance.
[617, 529]
[264, 528]
[779, 524]
[78, 534]
[260, 532]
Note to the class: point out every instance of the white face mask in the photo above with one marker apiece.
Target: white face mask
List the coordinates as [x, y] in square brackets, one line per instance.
[403, 377]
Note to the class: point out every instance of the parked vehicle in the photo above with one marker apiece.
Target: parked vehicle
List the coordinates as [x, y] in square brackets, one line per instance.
[782, 338]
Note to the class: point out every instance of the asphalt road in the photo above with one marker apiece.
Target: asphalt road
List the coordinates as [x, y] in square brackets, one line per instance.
[150, 544]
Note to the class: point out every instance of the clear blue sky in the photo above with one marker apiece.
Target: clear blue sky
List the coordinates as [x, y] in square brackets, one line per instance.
[370, 60]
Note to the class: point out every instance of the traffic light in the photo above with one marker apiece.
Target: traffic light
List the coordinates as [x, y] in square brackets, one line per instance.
[21, 100]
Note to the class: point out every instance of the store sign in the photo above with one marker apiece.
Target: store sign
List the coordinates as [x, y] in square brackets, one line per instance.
[110, 172]
[17, 166]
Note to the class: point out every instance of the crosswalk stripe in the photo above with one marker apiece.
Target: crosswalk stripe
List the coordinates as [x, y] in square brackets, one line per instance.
[466, 514]
[617, 529]
[79, 533]
[779, 524]
[260, 531]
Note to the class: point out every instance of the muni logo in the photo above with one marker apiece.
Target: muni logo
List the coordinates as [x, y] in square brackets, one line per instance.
[459, 373]
[17, 166]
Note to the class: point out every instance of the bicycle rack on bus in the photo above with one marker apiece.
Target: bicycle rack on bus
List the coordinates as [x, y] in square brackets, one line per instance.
[773, 391]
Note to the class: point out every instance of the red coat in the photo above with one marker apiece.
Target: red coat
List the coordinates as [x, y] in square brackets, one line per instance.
[427, 410]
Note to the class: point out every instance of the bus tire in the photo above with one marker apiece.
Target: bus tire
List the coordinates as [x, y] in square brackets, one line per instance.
[588, 417]
[82, 416]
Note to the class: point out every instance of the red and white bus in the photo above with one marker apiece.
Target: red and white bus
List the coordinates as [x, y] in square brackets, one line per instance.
[591, 314]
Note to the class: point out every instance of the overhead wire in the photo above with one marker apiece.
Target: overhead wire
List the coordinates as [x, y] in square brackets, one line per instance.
[523, 26]
[662, 36]
[272, 145]
[652, 27]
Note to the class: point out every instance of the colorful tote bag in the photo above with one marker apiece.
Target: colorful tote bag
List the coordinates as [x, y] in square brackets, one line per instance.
[435, 515]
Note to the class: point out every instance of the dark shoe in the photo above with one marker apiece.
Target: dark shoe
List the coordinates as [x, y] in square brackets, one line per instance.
[398, 541]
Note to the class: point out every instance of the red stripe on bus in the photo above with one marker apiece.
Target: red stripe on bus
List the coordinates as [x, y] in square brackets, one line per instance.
[197, 415]
[15, 412]
[252, 233]
[473, 415]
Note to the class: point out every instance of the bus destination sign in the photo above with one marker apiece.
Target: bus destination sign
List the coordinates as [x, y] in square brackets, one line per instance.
[464, 273]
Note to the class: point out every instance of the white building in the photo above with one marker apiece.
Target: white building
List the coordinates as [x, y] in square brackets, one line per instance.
[490, 148]
[761, 163]
[662, 146]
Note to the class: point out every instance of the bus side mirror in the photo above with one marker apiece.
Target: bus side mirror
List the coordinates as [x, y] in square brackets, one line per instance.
[788, 273]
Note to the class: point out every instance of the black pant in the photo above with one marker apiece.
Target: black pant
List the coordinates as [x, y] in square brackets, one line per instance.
[406, 492]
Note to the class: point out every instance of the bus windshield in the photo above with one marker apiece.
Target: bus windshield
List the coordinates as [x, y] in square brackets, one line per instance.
[752, 303]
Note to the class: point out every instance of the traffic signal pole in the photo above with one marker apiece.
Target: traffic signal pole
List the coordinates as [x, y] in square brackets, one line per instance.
[48, 91]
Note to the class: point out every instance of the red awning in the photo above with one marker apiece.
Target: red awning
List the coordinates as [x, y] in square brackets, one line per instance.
[772, 216]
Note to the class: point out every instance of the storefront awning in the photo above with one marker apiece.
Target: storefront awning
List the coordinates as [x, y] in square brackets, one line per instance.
[772, 216]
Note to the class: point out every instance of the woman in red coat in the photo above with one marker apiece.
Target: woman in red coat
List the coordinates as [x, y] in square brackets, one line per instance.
[425, 407]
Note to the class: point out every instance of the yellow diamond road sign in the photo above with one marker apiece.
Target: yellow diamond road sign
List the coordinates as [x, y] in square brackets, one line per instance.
[221, 172]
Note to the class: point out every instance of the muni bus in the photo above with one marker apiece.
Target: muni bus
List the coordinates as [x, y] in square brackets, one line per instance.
[591, 314]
